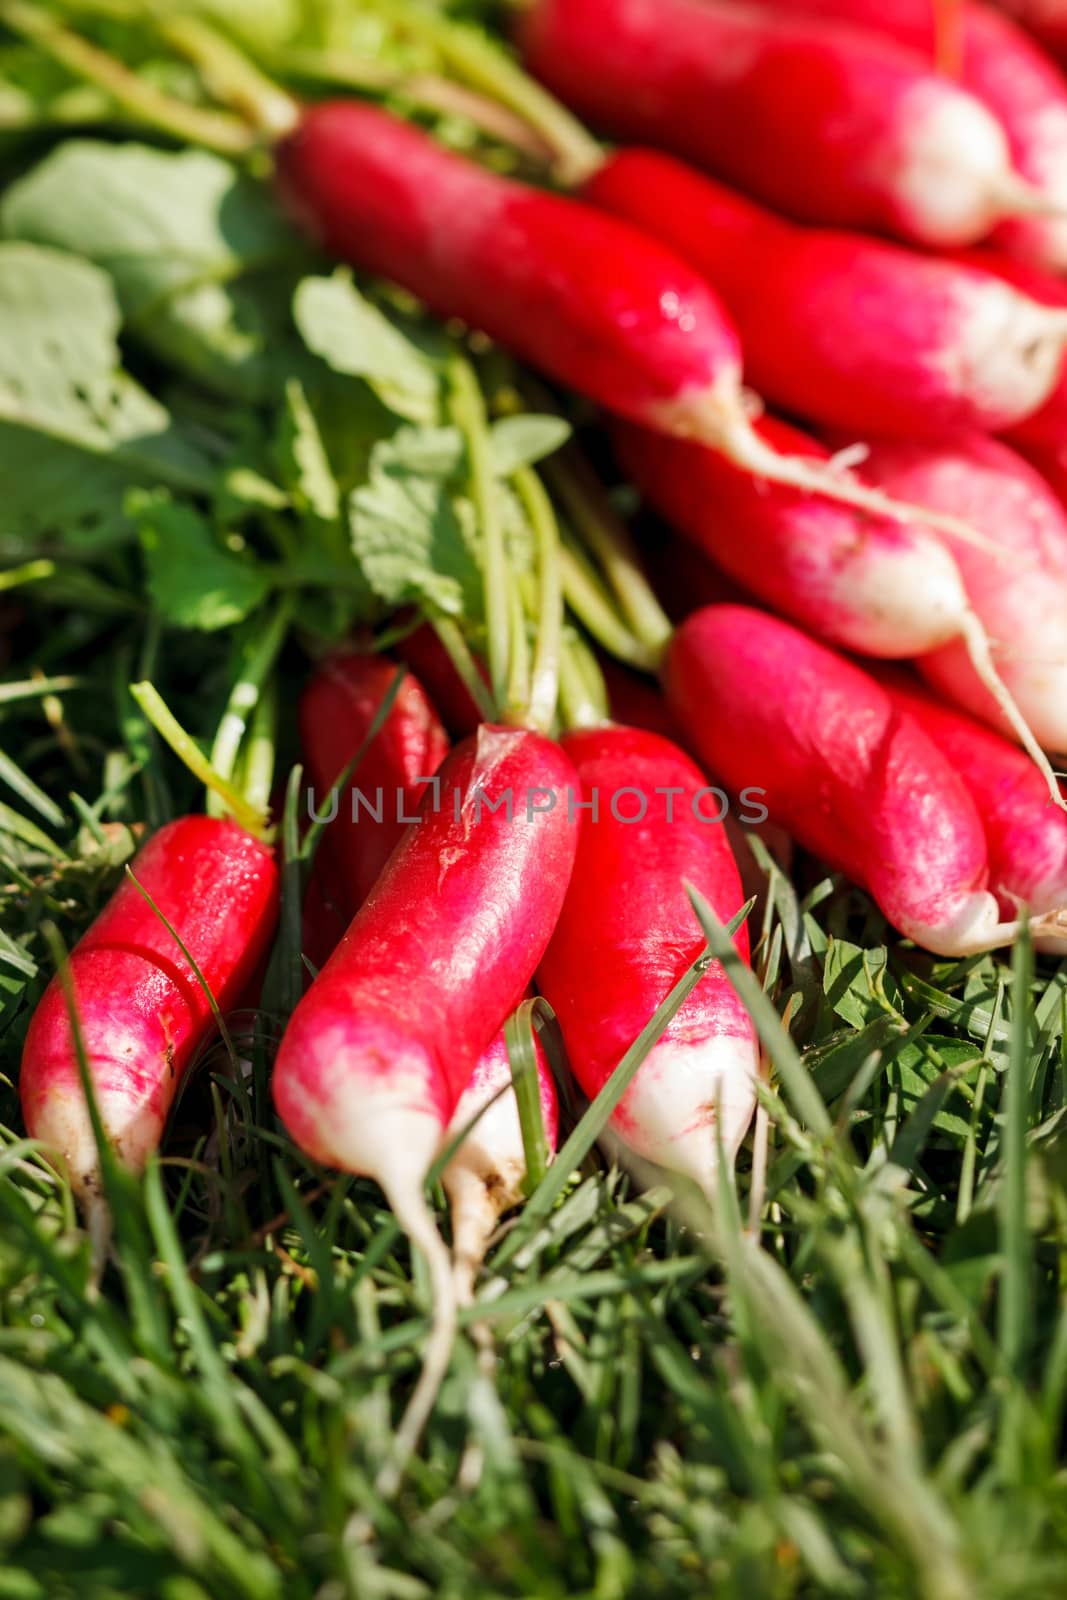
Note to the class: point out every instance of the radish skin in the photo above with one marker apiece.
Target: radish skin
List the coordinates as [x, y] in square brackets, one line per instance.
[824, 122]
[337, 711]
[1045, 429]
[846, 330]
[1019, 599]
[625, 936]
[142, 1014]
[484, 1177]
[591, 300]
[866, 585]
[1046, 20]
[381, 1047]
[1012, 77]
[845, 772]
[1025, 836]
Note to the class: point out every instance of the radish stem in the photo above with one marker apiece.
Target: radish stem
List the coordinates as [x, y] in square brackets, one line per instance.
[544, 686]
[468, 413]
[486, 67]
[455, 647]
[260, 656]
[607, 537]
[188, 751]
[216, 130]
[586, 598]
[231, 76]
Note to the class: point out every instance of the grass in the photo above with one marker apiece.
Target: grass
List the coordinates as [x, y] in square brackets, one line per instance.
[863, 1396]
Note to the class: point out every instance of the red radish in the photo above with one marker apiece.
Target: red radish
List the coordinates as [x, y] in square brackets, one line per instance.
[636, 702]
[324, 922]
[844, 329]
[381, 1047]
[1020, 599]
[825, 122]
[866, 585]
[1025, 836]
[1045, 19]
[1011, 76]
[852, 778]
[590, 300]
[1046, 428]
[485, 1176]
[427, 657]
[626, 935]
[142, 1013]
[337, 711]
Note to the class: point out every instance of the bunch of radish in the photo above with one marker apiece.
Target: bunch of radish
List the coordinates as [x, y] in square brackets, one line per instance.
[850, 275]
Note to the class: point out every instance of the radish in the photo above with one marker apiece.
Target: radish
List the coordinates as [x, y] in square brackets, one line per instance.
[1046, 428]
[485, 1176]
[1025, 836]
[1045, 19]
[337, 711]
[843, 329]
[142, 1014]
[825, 122]
[866, 585]
[1020, 599]
[592, 301]
[381, 1047]
[1011, 76]
[625, 936]
[426, 656]
[843, 770]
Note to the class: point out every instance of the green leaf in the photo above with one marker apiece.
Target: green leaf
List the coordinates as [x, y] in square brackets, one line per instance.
[521, 441]
[75, 430]
[175, 231]
[355, 338]
[409, 542]
[302, 460]
[193, 583]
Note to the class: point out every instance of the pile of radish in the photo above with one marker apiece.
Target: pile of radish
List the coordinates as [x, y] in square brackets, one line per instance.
[861, 208]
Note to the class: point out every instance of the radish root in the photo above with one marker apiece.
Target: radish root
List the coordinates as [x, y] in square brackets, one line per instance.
[413, 1214]
[977, 642]
[1016, 197]
[744, 447]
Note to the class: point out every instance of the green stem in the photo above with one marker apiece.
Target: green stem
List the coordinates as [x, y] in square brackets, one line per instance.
[29, 572]
[468, 412]
[189, 752]
[544, 688]
[516, 708]
[257, 778]
[607, 537]
[424, 90]
[216, 130]
[588, 601]
[455, 647]
[578, 704]
[260, 657]
[485, 66]
[231, 76]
